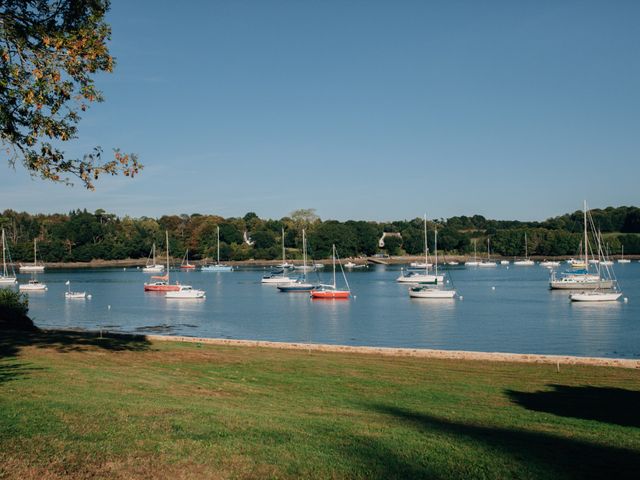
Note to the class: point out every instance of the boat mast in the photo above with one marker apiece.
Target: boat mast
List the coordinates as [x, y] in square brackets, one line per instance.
[333, 258]
[436, 247]
[304, 255]
[283, 260]
[35, 257]
[526, 251]
[475, 250]
[426, 248]
[586, 237]
[166, 234]
[218, 234]
[4, 258]
[488, 249]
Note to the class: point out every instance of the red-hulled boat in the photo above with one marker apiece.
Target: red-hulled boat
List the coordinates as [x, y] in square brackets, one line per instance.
[162, 285]
[331, 292]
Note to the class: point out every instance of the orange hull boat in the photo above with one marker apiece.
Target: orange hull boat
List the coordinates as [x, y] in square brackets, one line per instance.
[330, 294]
[161, 287]
[187, 267]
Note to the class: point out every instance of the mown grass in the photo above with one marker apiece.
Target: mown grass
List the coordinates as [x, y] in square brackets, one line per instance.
[76, 406]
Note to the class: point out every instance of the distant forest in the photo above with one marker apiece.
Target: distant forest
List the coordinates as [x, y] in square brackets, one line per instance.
[83, 236]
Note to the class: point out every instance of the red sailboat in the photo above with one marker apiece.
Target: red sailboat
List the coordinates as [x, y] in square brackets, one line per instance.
[331, 292]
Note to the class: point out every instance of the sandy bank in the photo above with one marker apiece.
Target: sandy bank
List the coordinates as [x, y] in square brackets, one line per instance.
[406, 352]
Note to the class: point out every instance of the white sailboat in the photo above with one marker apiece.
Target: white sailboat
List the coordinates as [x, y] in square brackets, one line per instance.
[488, 263]
[218, 267]
[5, 278]
[581, 279]
[299, 285]
[413, 276]
[600, 294]
[152, 266]
[526, 262]
[622, 259]
[275, 278]
[437, 291]
[474, 262]
[35, 268]
[74, 295]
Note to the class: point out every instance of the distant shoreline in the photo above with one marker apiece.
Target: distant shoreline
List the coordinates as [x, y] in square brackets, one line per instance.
[396, 260]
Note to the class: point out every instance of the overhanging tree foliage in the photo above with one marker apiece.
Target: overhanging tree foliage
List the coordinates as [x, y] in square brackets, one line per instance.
[50, 51]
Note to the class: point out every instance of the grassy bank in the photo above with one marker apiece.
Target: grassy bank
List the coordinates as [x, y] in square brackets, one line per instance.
[77, 406]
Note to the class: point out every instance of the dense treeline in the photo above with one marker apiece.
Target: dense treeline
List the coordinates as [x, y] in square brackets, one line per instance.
[83, 236]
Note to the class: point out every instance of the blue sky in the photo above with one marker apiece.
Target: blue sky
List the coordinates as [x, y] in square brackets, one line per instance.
[363, 109]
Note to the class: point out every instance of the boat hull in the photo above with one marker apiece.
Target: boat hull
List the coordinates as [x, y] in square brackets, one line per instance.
[420, 279]
[217, 268]
[32, 288]
[595, 297]
[295, 287]
[580, 285]
[150, 287]
[192, 295]
[431, 293]
[330, 294]
[276, 280]
[32, 268]
[8, 280]
[153, 269]
[75, 295]
[524, 263]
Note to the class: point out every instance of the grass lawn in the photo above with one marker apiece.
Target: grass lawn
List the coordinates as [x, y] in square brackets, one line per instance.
[75, 406]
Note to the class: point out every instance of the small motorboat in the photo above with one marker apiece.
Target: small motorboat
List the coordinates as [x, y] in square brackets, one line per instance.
[186, 292]
[33, 286]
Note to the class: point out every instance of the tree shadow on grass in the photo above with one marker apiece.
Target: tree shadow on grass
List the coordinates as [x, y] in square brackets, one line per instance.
[540, 453]
[11, 342]
[604, 404]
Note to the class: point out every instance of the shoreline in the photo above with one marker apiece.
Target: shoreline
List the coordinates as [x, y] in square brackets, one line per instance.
[399, 260]
[501, 357]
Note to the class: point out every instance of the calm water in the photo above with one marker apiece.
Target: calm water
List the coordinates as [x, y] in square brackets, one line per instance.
[520, 315]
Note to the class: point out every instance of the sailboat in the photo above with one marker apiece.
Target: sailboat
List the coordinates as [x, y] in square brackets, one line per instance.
[331, 291]
[5, 278]
[600, 294]
[279, 277]
[185, 265]
[581, 278]
[152, 266]
[218, 267]
[74, 295]
[162, 284]
[427, 291]
[526, 262]
[488, 262]
[622, 259]
[299, 285]
[413, 276]
[474, 262]
[36, 268]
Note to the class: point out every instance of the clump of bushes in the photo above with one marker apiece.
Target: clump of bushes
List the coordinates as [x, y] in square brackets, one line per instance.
[14, 307]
